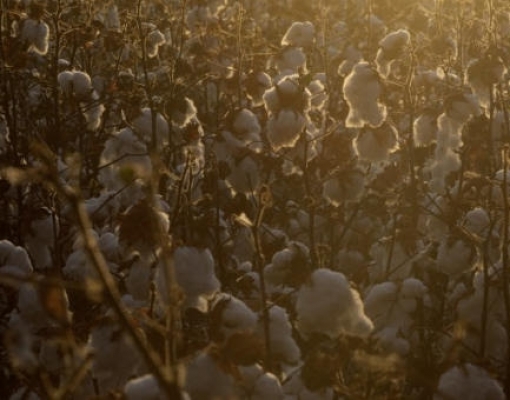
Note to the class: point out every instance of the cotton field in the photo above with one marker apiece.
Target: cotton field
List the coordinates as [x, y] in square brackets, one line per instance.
[255, 200]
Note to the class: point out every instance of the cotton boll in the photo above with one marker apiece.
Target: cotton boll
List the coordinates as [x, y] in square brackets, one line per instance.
[244, 175]
[36, 33]
[142, 124]
[318, 94]
[284, 349]
[40, 239]
[329, 306]
[291, 59]
[477, 222]
[425, 129]
[19, 343]
[256, 85]
[455, 256]
[376, 144]
[295, 388]
[139, 279]
[300, 34]
[390, 48]
[284, 128]
[392, 341]
[154, 40]
[289, 265]
[461, 107]
[207, 380]
[259, 385]
[183, 113]
[468, 382]
[93, 111]
[14, 259]
[123, 159]
[482, 74]
[231, 315]
[362, 90]
[143, 388]
[347, 186]
[115, 357]
[194, 273]
[81, 85]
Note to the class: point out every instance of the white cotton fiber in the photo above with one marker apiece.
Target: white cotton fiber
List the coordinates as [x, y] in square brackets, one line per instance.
[362, 89]
[142, 125]
[425, 129]
[284, 128]
[194, 273]
[291, 59]
[468, 382]
[455, 256]
[236, 316]
[345, 187]
[154, 40]
[390, 49]
[36, 33]
[329, 306]
[300, 34]
[376, 144]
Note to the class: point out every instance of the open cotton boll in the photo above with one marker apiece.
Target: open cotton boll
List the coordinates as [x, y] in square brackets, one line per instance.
[231, 315]
[139, 279]
[318, 94]
[376, 144]
[142, 124]
[482, 75]
[391, 340]
[347, 186]
[92, 111]
[81, 85]
[461, 107]
[289, 265]
[295, 389]
[207, 380]
[154, 40]
[455, 256]
[14, 259]
[300, 34]
[468, 382]
[328, 305]
[256, 85]
[143, 388]
[116, 359]
[425, 129]
[194, 273]
[284, 128]
[284, 349]
[244, 175]
[36, 34]
[40, 239]
[477, 222]
[362, 89]
[124, 158]
[259, 385]
[390, 48]
[291, 60]
[184, 112]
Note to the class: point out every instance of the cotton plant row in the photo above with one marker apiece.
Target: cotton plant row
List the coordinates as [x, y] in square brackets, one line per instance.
[267, 292]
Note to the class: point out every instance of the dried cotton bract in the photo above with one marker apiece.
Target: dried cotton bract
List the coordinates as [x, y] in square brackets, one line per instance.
[362, 89]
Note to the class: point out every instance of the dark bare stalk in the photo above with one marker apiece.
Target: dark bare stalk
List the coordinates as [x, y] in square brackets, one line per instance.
[506, 281]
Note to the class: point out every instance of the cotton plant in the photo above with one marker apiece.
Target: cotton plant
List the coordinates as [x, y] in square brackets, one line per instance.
[390, 48]
[231, 315]
[299, 34]
[289, 266]
[425, 129]
[142, 126]
[256, 83]
[362, 90]
[348, 185]
[328, 305]
[455, 256]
